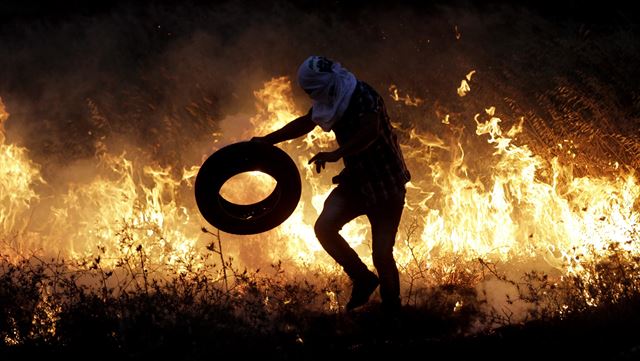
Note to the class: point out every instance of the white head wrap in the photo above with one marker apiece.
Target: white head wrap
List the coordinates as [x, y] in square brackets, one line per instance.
[329, 85]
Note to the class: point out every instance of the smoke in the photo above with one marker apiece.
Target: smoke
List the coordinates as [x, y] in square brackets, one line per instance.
[504, 299]
[163, 75]
[156, 80]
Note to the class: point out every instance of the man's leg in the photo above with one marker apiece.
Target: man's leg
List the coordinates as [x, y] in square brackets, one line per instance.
[339, 209]
[384, 221]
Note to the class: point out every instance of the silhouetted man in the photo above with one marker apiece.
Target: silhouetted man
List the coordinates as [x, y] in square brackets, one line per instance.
[372, 182]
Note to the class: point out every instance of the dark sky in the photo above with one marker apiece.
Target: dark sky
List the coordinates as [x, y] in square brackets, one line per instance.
[589, 11]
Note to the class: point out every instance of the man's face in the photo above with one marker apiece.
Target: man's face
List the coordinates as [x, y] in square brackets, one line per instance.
[318, 82]
[322, 94]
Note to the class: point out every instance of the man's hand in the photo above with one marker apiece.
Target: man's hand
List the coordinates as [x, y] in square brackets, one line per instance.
[322, 158]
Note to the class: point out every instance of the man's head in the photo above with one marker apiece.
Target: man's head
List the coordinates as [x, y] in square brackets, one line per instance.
[329, 85]
[315, 77]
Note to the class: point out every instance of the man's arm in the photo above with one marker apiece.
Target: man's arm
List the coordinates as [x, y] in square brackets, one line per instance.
[361, 141]
[294, 129]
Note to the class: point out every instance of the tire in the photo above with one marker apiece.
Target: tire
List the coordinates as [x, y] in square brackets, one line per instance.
[252, 218]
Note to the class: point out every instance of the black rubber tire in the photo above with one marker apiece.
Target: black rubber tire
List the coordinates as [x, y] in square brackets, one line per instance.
[252, 218]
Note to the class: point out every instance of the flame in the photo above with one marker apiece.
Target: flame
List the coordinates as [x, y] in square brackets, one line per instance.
[464, 87]
[528, 208]
[520, 214]
[407, 100]
[470, 74]
[248, 187]
[19, 177]
[123, 211]
[511, 205]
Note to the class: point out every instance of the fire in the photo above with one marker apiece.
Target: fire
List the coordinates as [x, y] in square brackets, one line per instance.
[527, 209]
[248, 188]
[123, 211]
[464, 87]
[512, 206]
[407, 99]
[19, 177]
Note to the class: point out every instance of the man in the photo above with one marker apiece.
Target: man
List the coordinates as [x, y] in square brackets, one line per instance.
[372, 182]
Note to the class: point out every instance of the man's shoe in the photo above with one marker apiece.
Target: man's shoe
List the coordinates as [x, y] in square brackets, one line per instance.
[362, 290]
[391, 308]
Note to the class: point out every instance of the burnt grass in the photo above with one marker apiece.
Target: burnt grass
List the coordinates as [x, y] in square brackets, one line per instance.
[195, 316]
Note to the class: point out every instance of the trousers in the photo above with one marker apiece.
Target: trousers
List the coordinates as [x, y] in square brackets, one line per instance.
[342, 206]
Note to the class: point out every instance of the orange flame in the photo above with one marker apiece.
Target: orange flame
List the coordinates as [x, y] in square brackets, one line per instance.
[520, 207]
[464, 87]
[407, 100]
[18, 178]
[124, 211]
